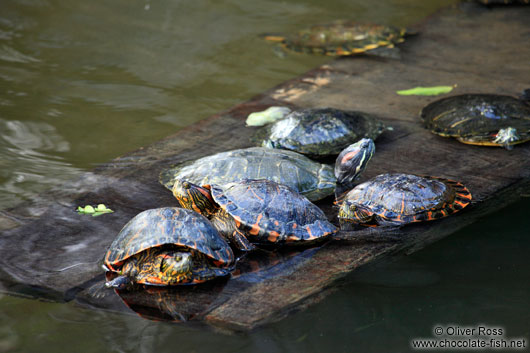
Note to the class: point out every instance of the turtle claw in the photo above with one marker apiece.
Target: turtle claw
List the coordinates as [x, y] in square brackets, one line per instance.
[120, 282]
[242, 243]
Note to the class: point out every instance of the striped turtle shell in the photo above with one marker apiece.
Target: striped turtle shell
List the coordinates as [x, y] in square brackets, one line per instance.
[312, 179]
[168, 226]
[480, 119]
[390, 199]
[341, 38]
[268, 212]
[320, 132]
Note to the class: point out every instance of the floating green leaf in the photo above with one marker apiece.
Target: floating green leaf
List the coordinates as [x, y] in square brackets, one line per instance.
[98, 211]
[426, 91]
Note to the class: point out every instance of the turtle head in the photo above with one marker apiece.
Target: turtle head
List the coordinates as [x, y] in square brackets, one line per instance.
[174, 267]
[353, 160]
[194, 197]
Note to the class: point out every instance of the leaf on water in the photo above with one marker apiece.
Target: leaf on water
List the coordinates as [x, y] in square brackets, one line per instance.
[426, 91]
[98, 211]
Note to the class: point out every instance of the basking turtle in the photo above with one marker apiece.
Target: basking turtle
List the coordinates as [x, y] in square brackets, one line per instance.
[256, 211]
[311, 179]
[340, 38]
[319, 132]
[168, 246]
[395, 199]
[480, 119]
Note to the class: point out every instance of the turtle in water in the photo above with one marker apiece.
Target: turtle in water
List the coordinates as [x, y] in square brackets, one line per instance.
[396, 199]
[319, 132]
[340, 38]
[311, 179]
[256, 211]
[480, 119]
[168, 246]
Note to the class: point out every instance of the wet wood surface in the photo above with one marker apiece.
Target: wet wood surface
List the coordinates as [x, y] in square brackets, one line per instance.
[47, 251]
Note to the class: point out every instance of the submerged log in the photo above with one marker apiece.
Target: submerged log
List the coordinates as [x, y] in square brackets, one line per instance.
[49, 251]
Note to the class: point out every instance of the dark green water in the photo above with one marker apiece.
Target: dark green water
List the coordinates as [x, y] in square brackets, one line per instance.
[84, 82]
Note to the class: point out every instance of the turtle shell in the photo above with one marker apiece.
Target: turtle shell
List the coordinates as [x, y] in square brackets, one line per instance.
[268, 212]
[478, 118]
[312, 179]
[168, 226]
[404, 198]
[321, 132]
[341, 38]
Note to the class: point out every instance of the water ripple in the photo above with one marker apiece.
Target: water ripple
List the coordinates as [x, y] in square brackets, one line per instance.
[30, 160]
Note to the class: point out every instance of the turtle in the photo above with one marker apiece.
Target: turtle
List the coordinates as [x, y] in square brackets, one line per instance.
[480, 119]
[312, 179]
[319, 132]
[167, 246]
[396, 199]
[252, 211]
[340, 38]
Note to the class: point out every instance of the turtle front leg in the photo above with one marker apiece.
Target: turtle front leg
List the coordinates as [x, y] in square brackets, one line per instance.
[226, 226]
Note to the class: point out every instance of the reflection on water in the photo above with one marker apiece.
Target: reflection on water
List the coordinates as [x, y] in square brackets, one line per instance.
[30, 160]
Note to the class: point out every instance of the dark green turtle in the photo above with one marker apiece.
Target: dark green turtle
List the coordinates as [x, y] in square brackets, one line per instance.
[311, 179]
[340, 38]
[319, 132]
[396, 199]
[256, 211]
[168, 246]
[480, 119]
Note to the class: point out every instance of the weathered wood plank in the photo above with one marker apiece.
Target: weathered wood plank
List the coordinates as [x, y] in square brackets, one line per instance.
[469, 47]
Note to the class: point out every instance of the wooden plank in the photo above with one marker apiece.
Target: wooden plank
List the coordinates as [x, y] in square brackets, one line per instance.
[48, 251]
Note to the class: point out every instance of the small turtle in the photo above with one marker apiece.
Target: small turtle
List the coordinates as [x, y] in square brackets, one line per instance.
[168, 246]
[396, 199]
[256, 211]
[480, 119]
[319, 132]
[311, 179]
[340, 38]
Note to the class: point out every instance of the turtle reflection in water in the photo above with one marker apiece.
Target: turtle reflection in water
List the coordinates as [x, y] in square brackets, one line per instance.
[172, 303]
[480, 119]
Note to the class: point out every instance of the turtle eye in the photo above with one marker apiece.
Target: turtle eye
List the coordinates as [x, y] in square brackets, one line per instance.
[186, 185]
